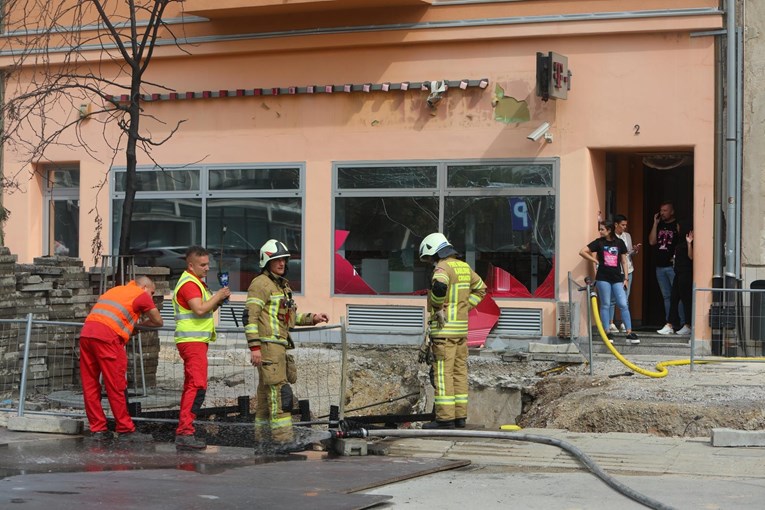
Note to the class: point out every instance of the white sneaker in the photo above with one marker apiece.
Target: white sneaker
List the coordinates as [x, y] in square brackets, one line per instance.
[685, 330]
[666, 330]
[623, 328]
[612, 328]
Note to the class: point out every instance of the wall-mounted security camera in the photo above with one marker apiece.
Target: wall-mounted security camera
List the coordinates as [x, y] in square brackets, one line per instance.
[540, 132]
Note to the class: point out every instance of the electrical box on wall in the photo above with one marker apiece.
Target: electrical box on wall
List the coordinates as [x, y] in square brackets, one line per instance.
[553, 76]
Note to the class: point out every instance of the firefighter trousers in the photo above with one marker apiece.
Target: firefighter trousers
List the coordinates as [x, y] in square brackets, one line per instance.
[273, 415]
[450, 378]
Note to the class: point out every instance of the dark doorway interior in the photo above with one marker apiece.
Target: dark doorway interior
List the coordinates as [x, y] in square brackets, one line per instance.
[666, 177]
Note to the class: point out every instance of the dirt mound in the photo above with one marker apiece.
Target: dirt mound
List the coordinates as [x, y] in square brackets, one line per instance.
[684, 403]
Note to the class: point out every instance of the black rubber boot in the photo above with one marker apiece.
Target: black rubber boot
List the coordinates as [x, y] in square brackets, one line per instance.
[460, 423]
[439, 425]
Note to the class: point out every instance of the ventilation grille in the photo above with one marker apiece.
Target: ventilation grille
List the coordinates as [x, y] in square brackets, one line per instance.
[226, 314]
[167, 312]
[383, 319]
[519, 322]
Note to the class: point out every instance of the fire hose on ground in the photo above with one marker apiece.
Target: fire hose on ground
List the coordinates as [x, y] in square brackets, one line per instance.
[511, 436]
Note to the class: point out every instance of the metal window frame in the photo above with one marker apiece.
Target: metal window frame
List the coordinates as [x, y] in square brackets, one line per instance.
[204, 194]
[442, 192]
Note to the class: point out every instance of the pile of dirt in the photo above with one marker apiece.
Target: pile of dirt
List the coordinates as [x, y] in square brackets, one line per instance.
[684, 403]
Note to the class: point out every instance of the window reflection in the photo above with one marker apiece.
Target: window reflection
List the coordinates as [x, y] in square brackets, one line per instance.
[385, 178]
[494, 176]
[249, 224]
[161, 180]
[161, 231]
[255, 178]
[384, 240]
[498, 235]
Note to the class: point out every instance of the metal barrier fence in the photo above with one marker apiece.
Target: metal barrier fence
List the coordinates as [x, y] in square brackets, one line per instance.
[735, 319]
[39, 369]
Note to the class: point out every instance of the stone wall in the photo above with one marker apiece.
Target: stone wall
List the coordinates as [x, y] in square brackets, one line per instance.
[56, 289]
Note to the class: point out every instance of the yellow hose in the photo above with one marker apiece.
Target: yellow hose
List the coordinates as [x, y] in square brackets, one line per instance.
[661, 367]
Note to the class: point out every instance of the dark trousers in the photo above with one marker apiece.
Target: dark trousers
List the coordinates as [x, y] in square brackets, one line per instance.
[682, 290]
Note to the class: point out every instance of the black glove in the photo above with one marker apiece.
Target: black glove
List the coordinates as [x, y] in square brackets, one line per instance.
[245, 316]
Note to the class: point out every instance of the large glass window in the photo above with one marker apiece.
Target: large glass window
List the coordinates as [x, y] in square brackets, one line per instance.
[500, 216]
[230, 211]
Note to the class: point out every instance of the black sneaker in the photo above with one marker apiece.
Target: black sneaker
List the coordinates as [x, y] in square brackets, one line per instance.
[633, 339]
[135, 437]
[460, 423]
[101, 435]
[439, 425]
[190, 442]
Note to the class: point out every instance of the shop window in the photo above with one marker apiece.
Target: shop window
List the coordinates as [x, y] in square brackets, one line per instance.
[62, 217]
[500, 215]
[230, 211]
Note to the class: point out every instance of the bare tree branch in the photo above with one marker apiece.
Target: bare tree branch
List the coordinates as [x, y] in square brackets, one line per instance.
[68, 60]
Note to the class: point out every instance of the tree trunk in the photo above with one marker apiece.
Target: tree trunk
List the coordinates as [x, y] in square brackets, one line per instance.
[134, 116]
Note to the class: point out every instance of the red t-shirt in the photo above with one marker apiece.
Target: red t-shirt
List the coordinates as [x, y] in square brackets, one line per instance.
[92, 329]
[189, 291]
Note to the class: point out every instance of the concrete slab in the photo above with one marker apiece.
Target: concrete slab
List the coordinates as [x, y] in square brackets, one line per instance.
[46, 424]
[737, 438]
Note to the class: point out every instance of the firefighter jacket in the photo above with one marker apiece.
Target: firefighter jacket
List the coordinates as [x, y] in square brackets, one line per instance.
[190, 327]
[272, 312]
[465, 290]
[114, 309]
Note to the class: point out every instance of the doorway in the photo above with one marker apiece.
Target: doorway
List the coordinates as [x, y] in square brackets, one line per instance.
[636, 185]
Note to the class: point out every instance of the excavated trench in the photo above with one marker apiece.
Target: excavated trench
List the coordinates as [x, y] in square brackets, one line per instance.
[685, 403]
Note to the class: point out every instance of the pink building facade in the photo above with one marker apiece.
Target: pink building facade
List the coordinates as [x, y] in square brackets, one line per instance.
[350, 129]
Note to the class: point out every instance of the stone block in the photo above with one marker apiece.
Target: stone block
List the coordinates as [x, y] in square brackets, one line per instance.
[724, 437]
[38, 269]
[60, 293]
[37, 287]
[351, 447]
[46, 424]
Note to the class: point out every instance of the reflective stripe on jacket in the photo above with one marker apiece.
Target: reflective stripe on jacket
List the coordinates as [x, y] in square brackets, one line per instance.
[114, 309]
[190, 327]
[465, 290]
[272, 311]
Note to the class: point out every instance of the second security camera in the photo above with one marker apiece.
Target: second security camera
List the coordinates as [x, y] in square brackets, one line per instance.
[539, 132]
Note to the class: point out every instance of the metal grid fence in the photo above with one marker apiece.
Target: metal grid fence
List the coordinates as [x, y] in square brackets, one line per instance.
[735, 319]
[39, 368]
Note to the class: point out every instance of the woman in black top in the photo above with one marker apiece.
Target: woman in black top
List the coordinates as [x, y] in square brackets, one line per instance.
[609, 254]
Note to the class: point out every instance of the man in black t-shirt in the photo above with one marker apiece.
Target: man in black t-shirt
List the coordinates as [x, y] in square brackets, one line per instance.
[664, 236]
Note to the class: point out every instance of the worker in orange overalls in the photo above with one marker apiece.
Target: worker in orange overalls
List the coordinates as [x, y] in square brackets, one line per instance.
[107, 329]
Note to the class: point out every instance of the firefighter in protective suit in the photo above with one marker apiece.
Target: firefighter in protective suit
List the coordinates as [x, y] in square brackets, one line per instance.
[455, 289]
[271, 314]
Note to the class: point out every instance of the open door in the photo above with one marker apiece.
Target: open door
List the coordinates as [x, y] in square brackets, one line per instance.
[636, 185]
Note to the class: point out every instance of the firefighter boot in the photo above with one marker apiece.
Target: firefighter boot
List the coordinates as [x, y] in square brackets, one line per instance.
[460, 423]
[439, 425]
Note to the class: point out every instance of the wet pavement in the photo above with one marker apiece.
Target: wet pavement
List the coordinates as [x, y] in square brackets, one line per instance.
[41, 471]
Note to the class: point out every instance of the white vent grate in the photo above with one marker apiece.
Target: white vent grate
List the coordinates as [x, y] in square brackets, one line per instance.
[226, 314]
[519, 322]
[393, 319]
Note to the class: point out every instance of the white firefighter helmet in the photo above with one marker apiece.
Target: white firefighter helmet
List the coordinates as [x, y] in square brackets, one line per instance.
[433, 244]
[271, 250]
